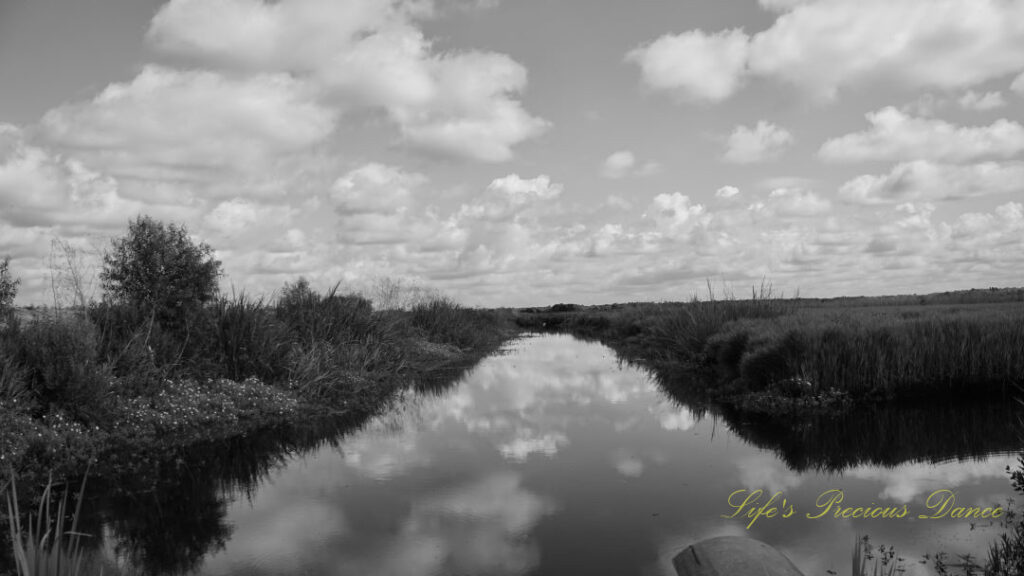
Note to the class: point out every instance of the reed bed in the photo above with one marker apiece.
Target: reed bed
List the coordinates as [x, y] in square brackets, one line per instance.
[893, 354]
[788, 347]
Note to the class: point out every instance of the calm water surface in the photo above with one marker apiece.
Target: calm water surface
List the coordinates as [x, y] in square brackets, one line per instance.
[555, 459]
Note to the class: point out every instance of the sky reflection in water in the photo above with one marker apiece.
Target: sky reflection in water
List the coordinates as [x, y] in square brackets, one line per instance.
[555, 459]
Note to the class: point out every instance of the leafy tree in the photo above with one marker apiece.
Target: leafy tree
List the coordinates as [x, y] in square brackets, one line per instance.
[8, 285]
[157, 268]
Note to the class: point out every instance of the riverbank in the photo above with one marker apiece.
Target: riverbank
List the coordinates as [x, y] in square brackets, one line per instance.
[106, 390]
[771, 354]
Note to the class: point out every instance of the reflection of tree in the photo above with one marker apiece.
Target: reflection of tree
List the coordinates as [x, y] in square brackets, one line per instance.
[171, 529]
[166, 519]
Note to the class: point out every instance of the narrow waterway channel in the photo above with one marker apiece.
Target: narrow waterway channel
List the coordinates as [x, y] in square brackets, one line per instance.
[555, 459]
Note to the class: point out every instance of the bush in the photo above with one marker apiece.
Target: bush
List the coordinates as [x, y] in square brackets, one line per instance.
[159, 269]
[8, 285]
[61, 366]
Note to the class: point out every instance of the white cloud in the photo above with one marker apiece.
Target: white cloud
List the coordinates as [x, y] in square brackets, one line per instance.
[618, 202]
[727, 192]
[926, 181]
[896, 136]
[618, 164]
[374, 188]
[366, 53]
[41, 189]
[623, 163]
[694, 65]
[674, 215]
[238, 215]
[169, 124]
[972, 100]
[1018, 84]
[764, 142]
[796, 202]
[781, 5]
[825, 45]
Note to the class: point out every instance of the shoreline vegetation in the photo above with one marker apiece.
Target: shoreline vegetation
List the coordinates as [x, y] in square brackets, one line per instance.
[773, 354]
[163, 361]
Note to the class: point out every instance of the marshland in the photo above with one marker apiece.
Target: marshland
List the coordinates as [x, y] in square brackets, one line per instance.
[310, 431]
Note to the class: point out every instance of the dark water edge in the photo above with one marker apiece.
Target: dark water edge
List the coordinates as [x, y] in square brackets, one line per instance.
[165, 518]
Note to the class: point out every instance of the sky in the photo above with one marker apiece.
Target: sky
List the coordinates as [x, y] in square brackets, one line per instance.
[525, 152]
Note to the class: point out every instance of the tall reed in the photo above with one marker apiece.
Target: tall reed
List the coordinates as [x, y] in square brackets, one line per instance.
[46, 547]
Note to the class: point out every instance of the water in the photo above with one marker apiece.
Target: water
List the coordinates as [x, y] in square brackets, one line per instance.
[555, 459]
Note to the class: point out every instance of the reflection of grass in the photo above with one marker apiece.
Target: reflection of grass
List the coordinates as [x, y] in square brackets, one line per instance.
[46, 547]
[869, 561]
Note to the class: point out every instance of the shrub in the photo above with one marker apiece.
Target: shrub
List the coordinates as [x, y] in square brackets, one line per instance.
[58, 353]
[8, 285]
[159, 269]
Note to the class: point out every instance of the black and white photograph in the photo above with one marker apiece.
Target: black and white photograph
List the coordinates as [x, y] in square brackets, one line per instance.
[511, 287]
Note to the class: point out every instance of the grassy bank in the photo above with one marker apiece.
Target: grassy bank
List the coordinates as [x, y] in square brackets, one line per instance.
[112, 387]
[766, 351]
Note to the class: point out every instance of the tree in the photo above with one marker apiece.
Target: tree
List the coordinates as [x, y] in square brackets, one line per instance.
[8, 285]
[159, 269]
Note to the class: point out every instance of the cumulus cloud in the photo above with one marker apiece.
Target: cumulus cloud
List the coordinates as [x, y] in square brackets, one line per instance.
[825, 45]
[896, 136]
[972, 100]
[38, 188]
[190, 125]
[675, 215]
[764, 142]
[367, 53]
[926, 181]
[623, 163]
[694, 65]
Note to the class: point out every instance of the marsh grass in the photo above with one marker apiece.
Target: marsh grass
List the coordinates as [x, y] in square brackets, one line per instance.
[47, 546]
[793, 348]
[887, 354]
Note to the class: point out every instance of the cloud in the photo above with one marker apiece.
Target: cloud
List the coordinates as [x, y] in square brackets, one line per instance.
[825, 45]
[896, 136]
[364, 53]
[694, 65]
[674, 215]
[926, 181]
[727, 192]
[374, 188]
[971, 100]
[1018, 84]
[623, 163]
[781, 5]
[764, 142]
[190, 125]
[41, 189]
[793, 202]
[618, 164]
